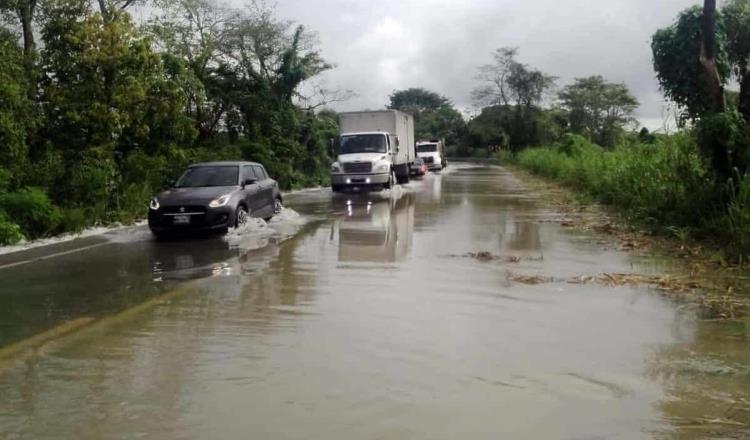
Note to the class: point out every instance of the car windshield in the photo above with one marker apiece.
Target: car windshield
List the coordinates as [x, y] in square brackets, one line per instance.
[427, 148]
[362, 143]
[197, 177]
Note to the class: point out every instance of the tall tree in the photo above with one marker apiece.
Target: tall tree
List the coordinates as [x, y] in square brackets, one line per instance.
[508, 82]
[24, 11]
[417, 100]
[708, 58]
[598, 109]
[434, 114]
[694, 60]
[196, 33]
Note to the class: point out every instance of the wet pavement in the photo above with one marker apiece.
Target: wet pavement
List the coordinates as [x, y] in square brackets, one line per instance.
[364, 318]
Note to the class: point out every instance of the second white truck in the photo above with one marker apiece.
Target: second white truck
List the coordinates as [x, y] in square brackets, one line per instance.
[433, 154]
[373, 151]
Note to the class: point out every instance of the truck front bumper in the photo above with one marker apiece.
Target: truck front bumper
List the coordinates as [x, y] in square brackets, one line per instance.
[359, 179]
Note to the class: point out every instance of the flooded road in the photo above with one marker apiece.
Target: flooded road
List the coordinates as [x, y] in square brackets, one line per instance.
[364, 318]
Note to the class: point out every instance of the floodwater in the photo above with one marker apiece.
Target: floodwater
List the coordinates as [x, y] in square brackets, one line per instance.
[363, 318]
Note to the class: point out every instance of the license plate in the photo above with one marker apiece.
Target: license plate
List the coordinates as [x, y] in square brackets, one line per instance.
[182, 219]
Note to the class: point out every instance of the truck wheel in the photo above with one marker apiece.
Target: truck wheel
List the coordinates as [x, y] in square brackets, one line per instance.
[404, 176]
[335, 188]
[392, 179]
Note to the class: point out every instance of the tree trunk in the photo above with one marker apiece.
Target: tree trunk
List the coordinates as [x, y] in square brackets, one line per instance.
[25, 16]
[714, 86]
[104, 9]
[744, 105]
[714, 146]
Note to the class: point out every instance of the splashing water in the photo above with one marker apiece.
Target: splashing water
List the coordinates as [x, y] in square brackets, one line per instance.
[257, 233]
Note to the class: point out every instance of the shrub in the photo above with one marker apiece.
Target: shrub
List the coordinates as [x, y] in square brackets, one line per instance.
[32, 210]
[658, 185]
[10, 233]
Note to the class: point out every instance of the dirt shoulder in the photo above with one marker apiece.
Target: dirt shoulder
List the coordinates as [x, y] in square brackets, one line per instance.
[700, 281]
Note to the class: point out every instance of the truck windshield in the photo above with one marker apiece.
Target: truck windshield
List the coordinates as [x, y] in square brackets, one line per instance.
[427, 148]
[197, 177]
[362, 143]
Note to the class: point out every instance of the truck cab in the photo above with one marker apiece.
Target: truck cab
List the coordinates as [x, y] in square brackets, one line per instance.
[433, 154]
[374, 151]
[364, 160]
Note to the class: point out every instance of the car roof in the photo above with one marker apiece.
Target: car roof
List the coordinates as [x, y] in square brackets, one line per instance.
[224, 163]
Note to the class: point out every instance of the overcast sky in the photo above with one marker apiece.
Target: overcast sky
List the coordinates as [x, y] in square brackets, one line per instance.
[379, 46]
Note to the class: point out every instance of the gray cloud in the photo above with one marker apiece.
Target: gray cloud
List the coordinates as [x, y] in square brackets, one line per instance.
[381, 46]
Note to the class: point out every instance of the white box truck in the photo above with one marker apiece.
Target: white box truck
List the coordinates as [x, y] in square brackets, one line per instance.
[373, 151]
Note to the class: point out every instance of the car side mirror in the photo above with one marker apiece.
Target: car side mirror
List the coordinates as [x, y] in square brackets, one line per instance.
[249, 182]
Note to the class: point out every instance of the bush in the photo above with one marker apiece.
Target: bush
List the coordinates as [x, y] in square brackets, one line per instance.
[32, 210]
[10, 233]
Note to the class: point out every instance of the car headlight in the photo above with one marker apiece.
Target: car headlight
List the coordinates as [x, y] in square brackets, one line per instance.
[221, 201]
[335, 168]
[382, 168]
[154, 204]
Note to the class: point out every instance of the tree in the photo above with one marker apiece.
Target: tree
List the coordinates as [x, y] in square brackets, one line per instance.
[598, 109]
[195, 33]
[417, 100]
[17, 116]
[434, 114]
[506, 127]
[694, 60]
[680, 61]
[24, 11]
[106, 94]
[509, 82]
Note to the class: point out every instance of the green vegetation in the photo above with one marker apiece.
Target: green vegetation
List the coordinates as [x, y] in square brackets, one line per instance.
[109, 111]
[694, 182]
[434, 115]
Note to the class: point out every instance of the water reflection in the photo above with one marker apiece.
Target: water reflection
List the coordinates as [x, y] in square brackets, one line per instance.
[706, 379]
[377, 230]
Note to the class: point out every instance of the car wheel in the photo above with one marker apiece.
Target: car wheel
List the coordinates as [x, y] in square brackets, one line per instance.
[240, 217]
[277, 206]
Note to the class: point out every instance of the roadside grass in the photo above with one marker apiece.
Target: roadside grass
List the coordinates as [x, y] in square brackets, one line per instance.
[664, 187]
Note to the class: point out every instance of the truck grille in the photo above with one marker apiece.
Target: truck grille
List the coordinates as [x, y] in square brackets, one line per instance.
[358, 167]
[429, 159]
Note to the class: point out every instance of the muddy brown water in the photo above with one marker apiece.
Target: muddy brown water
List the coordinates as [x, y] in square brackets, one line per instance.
[367, 321]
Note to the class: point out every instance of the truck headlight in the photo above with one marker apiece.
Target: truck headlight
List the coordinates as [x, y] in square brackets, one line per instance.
[154, 204]
[382, 168]
[221, 201]
[335, 168]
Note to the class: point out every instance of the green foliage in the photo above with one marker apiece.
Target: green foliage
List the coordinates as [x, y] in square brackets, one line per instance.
[434, 115]
[659, 186]
[676, 50]
[729, 131]
[105, 88]
[417, 100]
[513, 127]
[109, 113]
[32, 210]
[10, 233]
[17, 116]
[598, 109]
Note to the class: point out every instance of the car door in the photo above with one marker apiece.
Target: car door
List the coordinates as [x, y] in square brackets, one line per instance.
[252, 193]
[266, 189]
